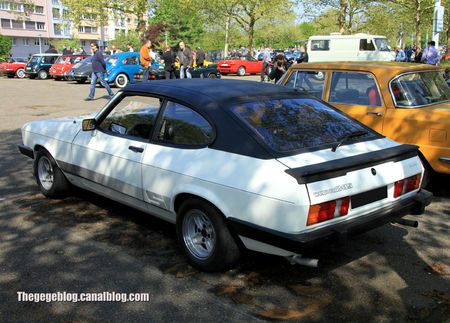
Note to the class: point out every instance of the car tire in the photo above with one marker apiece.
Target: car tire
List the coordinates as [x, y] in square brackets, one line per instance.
[49, 177]
[241, 71]
[121, 80]
[204, 236]
[10, 76]
[20, 73]
[81, 81]
[212, 76]
[32, 77]
[42, 74]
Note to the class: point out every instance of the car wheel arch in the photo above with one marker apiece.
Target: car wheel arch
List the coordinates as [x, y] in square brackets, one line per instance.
[215, 201]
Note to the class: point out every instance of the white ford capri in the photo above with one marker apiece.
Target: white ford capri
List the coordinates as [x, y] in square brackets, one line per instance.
[233, 164]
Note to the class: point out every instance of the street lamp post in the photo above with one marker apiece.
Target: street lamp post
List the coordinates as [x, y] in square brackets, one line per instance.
[40, 44]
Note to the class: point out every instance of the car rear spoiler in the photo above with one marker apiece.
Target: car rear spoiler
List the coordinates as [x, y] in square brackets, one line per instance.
[335, 168]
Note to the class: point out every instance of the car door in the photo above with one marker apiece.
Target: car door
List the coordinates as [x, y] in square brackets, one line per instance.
[176, 158]
[358, 94]
[131, 66]
[111, 154]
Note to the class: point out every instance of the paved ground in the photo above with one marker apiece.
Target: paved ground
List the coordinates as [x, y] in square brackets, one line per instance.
[85, 243]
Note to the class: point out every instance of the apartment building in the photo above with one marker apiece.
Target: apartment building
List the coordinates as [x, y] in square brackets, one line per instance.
[34, 28]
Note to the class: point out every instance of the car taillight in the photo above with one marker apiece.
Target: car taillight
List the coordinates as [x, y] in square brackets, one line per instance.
[328, 210]
[406, 185]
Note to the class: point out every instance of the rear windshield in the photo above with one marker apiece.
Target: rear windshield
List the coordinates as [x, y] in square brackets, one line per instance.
[420, 89]
[287, 125]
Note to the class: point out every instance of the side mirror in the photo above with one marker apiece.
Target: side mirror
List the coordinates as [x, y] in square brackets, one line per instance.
[88, 124]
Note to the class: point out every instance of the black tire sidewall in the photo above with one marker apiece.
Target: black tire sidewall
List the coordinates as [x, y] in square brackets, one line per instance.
[60, 183]
[226, 252]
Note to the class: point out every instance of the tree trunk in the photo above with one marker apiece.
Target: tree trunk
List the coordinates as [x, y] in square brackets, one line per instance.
[341, 18]
[418, 25]
[227, 32]
[251, 32]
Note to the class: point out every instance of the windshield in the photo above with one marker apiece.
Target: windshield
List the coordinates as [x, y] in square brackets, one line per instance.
[60, 60]
[419, 89]
[35, 59]
[382, 44]
[286, 125]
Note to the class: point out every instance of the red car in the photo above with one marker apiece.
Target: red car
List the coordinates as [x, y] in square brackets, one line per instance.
[64, 64]
[13, 67]
[240, 66]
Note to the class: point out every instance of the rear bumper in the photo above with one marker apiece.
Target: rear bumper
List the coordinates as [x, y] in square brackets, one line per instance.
[298, 243]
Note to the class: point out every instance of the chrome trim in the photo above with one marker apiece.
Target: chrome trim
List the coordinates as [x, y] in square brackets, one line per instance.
[413, 106]
[445, 160]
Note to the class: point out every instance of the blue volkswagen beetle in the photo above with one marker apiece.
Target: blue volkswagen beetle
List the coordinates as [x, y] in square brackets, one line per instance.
[123, 68]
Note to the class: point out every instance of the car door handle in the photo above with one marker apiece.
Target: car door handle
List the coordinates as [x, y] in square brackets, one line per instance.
[378, 114]
[136, 149]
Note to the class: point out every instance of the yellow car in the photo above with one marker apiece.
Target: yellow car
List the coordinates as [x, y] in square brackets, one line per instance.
[407, 102]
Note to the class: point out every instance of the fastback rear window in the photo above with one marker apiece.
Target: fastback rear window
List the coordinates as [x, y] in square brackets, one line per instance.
[287, 125]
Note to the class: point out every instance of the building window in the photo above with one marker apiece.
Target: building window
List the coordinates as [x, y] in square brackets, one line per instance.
[57, 29]
[16, 24]
[6, 23]
[40, 25]
[87, 16]
[38, 9]
[14, 41]
[4, 5]
[94, 30]
[55, 2]
[45, 42]
[36, 41]
[55, 12]
[25, 42]
[30, 25]
[16, 6]
[81, 29]
[83, 43]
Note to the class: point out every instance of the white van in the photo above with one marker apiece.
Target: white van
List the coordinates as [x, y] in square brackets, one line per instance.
[358, 47]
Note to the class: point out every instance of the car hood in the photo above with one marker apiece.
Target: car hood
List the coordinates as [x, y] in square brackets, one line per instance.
[62, 129]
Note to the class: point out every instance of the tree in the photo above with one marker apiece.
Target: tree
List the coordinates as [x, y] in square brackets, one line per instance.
[5, 46]
[102, 9]
[123, 39]
[72, 43]
[417, 9]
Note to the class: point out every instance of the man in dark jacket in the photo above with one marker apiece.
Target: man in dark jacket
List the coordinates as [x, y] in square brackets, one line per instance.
[98, 71]
[185, 58]
[279, 68]
[200, 58]
[169, 63]
[51, 50]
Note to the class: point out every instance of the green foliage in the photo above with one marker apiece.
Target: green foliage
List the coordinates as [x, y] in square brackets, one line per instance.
[5, 46]
[307, 29]
[123, 39]
[72, 43]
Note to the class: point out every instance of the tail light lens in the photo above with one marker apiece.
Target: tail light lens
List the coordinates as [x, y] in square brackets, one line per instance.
[406, 185]
[328, 210]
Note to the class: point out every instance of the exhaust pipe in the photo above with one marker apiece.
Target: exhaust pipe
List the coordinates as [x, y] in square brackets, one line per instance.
[409, 223]
[299, 260]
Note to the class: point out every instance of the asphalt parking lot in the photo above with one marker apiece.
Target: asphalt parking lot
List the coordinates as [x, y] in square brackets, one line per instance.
[85, 243]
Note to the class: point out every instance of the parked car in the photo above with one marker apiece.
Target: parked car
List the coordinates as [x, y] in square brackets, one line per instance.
[64, 64]
[124, 68]
[39, 65]
[232, 164]
[240, 66]
[13, 67]
[406, 102]
[81, 71]
[196, 72]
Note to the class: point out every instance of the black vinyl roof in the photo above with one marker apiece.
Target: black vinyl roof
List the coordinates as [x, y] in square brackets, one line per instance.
[211, 97]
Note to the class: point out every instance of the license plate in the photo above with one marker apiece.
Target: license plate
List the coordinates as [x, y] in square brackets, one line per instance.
[28, 68]
[368, 197]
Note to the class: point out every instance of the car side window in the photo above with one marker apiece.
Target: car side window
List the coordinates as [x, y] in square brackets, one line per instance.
[320, 44]
[133, 116]
[311, 81]
[364, 45]
[354, 88]
[183, 126]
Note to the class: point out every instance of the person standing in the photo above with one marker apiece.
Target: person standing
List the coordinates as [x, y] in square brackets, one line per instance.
[146, 57]
[430, 55]
[185, 58]
[98, 72]
[303, 57]
[51, 50]
[130, 47]
[400, 56]
[169, 63]
[200, 58]
[279, 68]
[265, 65]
